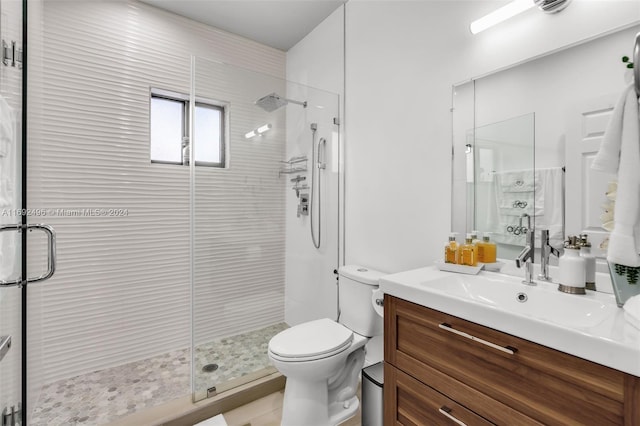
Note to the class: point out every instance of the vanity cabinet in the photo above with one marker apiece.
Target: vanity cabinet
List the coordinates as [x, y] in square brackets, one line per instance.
[440, 369]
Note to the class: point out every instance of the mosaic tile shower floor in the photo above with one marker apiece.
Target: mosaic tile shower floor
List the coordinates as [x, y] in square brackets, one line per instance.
[103, 396]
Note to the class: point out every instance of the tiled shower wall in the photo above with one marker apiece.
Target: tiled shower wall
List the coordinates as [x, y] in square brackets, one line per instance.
[121, 292]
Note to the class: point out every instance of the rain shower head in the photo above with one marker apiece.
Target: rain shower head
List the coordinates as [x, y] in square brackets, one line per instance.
[273, 101]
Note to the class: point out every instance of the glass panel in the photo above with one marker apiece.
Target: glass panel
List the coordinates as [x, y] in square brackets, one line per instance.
[167, 124]
[504, 181]
[570, 117]
[207, 134]
[11, 327]
[248, 238]
[487, 154]
[110, 331]
[463, 189]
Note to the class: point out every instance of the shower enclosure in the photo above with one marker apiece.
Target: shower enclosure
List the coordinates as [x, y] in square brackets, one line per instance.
[180, 248]
[246, 213]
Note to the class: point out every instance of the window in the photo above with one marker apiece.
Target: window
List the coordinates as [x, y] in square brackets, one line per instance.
[169, 129]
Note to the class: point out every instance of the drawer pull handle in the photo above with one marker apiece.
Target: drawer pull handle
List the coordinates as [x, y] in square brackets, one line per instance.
[446, 411]
[506, 349]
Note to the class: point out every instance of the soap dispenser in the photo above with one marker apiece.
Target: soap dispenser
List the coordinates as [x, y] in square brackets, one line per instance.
[487, 251]
[468, 253]
[474, 237]
[451, 249]
[572, 266]
[590, 262]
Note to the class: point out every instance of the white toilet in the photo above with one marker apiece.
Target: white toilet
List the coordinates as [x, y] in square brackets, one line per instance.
[322, 359]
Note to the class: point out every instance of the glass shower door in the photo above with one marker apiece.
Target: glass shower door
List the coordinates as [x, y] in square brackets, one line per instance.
[265, 169]
[11, 218]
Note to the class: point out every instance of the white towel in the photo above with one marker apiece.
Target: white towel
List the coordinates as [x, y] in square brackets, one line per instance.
[551, 183]
[608, 157]
[7, 132]
[7, 154]
[620, 152]
[213, 421]
[9, 262]
[516, 180]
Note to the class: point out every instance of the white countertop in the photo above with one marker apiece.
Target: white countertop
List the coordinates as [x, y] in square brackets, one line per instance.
[612, 342]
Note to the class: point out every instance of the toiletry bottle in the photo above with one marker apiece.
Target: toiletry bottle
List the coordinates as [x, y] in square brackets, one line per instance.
[475, 241]
[590, 262]
[487, 250]
[467, 253]
[572, 275]
[451, 249]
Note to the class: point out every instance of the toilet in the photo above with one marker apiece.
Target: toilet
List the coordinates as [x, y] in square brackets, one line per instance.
[322, 359]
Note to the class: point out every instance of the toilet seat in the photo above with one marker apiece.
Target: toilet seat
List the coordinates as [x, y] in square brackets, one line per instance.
[310, 341]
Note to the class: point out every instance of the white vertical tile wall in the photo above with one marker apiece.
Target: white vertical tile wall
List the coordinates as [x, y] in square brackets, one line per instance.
[121, 292]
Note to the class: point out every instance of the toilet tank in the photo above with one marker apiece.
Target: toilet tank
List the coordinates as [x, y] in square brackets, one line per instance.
[355, 289]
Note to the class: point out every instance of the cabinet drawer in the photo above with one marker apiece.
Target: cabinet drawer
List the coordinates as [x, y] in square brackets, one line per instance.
[410, 402]
[544, 384]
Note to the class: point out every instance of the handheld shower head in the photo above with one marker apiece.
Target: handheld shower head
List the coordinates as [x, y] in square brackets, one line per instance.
[273, 101]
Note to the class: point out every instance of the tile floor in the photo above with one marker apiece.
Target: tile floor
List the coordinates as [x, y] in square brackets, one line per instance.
[103, 396]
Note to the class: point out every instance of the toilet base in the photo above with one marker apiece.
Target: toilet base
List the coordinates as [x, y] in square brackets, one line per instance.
[338, 413]
[306, 404]
[323, 402]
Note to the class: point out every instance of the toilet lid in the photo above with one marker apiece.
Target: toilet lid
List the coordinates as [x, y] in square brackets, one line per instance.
[313, 338]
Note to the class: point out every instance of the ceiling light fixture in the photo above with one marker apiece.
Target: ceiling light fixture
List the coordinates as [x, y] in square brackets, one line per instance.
[551, 6]
[499, 15]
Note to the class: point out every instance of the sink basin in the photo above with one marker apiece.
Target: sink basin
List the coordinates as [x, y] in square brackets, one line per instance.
[543, 301]
[589, 326]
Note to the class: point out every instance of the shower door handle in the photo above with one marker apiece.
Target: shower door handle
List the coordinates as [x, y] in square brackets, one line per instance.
[51, 250]
[51, 253]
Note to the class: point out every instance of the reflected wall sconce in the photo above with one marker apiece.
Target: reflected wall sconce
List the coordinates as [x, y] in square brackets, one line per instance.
[515, 8]
[259, 131]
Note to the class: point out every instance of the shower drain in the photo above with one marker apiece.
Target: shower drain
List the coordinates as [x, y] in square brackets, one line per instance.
[210, 368]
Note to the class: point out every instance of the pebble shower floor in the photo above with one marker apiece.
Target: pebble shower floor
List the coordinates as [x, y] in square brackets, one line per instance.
[103, 396]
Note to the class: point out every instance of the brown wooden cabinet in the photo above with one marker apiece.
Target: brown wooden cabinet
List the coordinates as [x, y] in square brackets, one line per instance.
[439, 368]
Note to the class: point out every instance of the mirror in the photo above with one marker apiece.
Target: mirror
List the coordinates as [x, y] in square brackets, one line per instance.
[565, 99]
[494, 164]
[503, 181]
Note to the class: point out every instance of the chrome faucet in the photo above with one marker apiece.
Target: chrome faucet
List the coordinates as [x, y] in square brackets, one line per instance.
[546, 250]
[526, 255]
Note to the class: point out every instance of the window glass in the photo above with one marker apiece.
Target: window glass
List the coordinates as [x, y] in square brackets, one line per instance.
[167, 129]
[208, 134]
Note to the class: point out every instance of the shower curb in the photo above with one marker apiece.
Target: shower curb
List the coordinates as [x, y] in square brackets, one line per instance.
[184, 412]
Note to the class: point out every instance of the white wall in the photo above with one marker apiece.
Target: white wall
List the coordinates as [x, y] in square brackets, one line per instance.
[311, 291]
[400, 57]
[122, 292]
